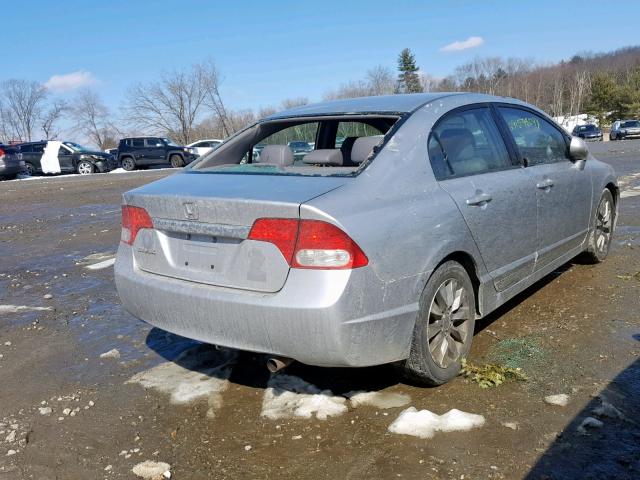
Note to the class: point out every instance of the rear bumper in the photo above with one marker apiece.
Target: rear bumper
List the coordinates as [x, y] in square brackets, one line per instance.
[9, 168]
[325, 318]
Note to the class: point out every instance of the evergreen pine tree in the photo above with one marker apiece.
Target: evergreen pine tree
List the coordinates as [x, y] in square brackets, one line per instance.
[408, 78]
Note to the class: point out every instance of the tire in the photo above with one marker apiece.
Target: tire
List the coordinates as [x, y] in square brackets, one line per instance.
[446, 319]
[176, 161]
[599, 241]
[128, 164]
[29, 169]
[85, 168]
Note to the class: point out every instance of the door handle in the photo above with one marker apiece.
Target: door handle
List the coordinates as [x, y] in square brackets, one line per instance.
[479, 199]
[546, 184]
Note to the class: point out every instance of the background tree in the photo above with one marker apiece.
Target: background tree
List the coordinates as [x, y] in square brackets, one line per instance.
[22, 104]
[602, 98]
[93, 119]
[173, 105]
[408, 78]
[50, 118]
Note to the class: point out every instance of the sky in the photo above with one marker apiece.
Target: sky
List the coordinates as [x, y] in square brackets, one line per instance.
[267, 51]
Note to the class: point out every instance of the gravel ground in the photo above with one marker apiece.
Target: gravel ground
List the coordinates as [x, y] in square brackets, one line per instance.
[87, 391]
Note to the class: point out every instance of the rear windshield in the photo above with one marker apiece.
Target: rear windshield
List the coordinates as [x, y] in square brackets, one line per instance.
[321, 146]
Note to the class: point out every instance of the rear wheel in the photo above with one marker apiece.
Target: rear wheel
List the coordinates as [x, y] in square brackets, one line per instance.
[444, 328]
[128, 164]
[29, 169]
[85, 168]
[176, 161]
[600, 237]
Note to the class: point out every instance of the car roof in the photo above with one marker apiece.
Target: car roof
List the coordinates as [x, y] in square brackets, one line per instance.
[383, 104]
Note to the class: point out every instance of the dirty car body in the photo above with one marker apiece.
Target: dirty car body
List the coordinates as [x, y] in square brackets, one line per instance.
[325, 260]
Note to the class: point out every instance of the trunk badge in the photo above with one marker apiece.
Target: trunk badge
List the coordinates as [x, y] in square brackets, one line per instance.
[191, 210]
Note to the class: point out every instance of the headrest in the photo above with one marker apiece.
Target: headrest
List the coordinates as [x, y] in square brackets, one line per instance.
[276, 155]
[327, 156]
[455, 140]
[362, 148]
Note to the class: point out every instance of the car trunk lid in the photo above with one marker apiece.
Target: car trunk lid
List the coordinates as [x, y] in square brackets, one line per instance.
[202, 221]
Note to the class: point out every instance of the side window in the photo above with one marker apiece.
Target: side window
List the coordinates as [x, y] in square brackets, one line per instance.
[63, 151]
[152, 142]
[467, 142]
[354, 130]
[37, 148]
[301, 139]
[537, 140]
[137, 142]
[26, 149]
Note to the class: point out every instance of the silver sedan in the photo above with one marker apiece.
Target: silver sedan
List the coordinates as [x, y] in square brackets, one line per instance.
[412, 217]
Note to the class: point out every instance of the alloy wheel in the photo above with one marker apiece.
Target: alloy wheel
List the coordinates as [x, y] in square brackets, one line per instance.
[448, 325]
[604, 222]
[85, 168]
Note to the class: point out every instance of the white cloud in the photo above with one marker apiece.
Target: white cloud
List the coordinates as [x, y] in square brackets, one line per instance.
[471, 42]
[70, 81]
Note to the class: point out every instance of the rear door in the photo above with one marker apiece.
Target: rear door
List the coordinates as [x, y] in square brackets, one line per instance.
[493, 193]
[563, 187]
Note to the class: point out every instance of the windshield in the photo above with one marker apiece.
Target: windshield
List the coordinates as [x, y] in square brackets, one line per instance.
[631, 124]
[586, 128]
[76, 147]
[170, 142]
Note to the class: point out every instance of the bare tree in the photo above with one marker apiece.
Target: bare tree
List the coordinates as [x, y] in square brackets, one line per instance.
[288, 103]
[380, 81]
[51, 117]
[174, 104]
[92, 118]
[23, 102]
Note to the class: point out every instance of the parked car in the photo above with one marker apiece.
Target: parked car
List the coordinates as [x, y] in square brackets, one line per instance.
[136, 152]
[624, 129]
[300, 149]
[63, 157]
[465, 201]
[202, 147]
[587, 132]
[10, 163]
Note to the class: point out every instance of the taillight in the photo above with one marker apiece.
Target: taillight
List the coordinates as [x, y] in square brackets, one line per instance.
[1, 152]
[133, 220]
[310, 244]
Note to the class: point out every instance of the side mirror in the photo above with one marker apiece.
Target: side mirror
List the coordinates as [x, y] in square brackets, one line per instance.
[578, 149]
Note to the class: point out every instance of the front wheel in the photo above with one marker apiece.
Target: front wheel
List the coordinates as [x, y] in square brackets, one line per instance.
[443, 332]
[600, 237]
[85, 168]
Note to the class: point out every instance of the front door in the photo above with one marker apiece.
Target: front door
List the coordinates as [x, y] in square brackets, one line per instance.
[563, 187]
[494, 194]
[154, 150]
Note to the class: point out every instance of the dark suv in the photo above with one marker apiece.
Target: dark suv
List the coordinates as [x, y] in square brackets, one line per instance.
[146, 151]
[67, 157]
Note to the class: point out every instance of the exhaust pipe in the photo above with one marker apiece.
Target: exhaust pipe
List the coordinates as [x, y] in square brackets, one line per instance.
[275, 364]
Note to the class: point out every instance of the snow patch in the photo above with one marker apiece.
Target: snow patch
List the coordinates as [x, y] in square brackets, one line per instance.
[561, 400]
[199, 372]
[20, 308]
[287, 396]
[101, 265]
[588, 423]
[424, 424]
[378, 399]
[150, 470]
[113, 353]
